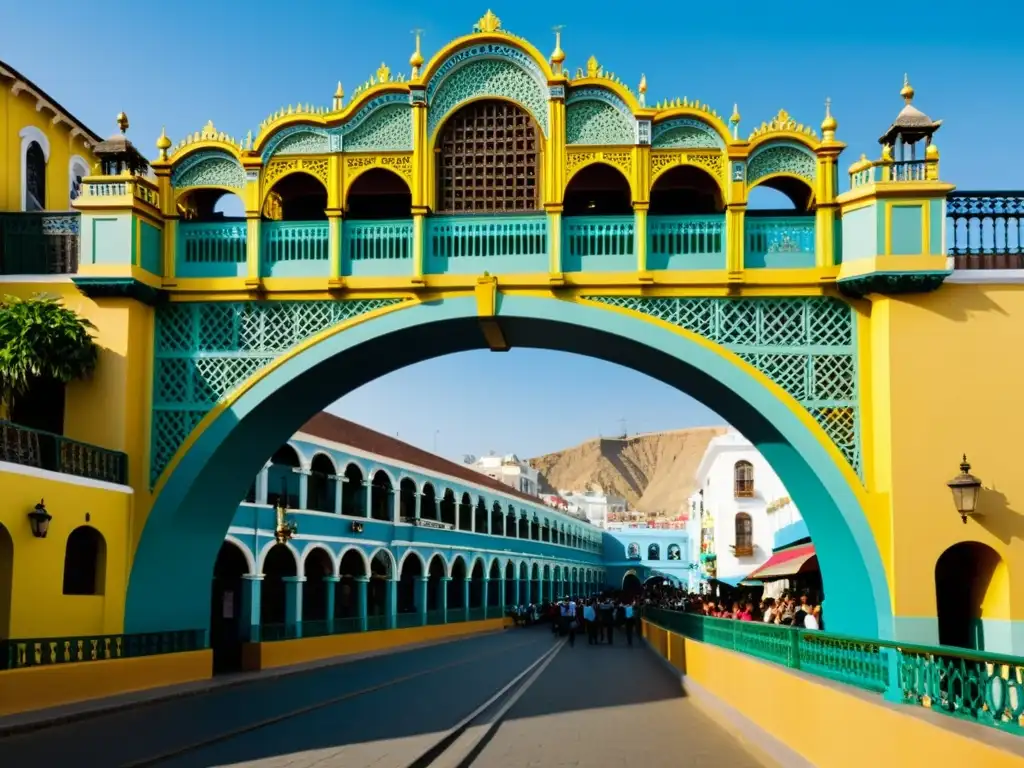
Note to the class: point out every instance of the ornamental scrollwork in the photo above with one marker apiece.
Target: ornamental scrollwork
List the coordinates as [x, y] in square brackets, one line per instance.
[783, 158]
[662, 160]
[574, 160]
[400, 164]
[685, 133]
[209, 169]
[298, 140]
[597, 122]
[315, 167]
[389, 129]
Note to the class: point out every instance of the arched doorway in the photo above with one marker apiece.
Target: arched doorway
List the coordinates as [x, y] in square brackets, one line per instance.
[321, 495]
[476, 588]
[457, 590]
[409, 579]
[226, 630]
[448, 507]
[278, 565]
[599, 226]
[85, 562]
[779, 222]
[351, 585]
[283, 478]
[35, 177]
[437, 572]
[428, 503]
[317, 591]
[380, 496]
[631, 583]
[6, 581]
[971, 589]
[382, 572]
[353, 492]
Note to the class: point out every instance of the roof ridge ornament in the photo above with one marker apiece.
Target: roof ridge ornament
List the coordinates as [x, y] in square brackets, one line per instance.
[487, 23]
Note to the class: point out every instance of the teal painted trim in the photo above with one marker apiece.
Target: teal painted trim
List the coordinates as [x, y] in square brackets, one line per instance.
[152, 249]
[860, 234]
[169, 583]
[599, 244]
[892, 283]
[790, 534]
[906, 230]
[879, 228]
[118, 287]
[936, 226]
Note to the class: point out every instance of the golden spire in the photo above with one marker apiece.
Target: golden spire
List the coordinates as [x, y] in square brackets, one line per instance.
[642, 90]
[593, 68]
[122, 122]
[829, 124]
[339, 97]
[416, 60]
[383, 73]
[558, 55]
[163, 143]
[488, 22]
[907, 91]
[734, 120]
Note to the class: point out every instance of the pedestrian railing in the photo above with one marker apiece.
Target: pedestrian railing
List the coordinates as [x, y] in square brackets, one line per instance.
[49, 651]
[45, 450]
[980, 687]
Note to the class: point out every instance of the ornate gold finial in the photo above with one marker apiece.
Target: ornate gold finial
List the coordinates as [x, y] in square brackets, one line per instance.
[163, 143]
[209, 132]
[931, 152]
[642, 90]
[829, 124]
[416, 60]
[122, 122]
[557, 55]
[383, 73]
[593, 68]
[907, 91]
[488, 22]
[734, 118]
[339, 97]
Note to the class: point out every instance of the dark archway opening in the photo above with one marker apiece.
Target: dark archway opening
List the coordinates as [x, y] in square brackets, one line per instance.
[476, 586]
[381, 574]
[353, 493]
[380, 496]
[85, 562]
[510, 584]
[35, 178]
[407, 500]
[428, 503]
[466, 513]
[227, 631]
[967, 581]
[283, 478]
[434, 587]
[319, 572]
[686, 191]
[631, 584]
[448, 508]
[409, 582]
[456, 587]
[278, 565]
[321, 495]
[598, 190]
[497, 519]
[296, 197]
[208, 205]
[6, 581]
[379, 194]
[353, 574]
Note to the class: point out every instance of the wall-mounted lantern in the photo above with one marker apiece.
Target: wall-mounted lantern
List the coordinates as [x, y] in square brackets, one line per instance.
[357, 527]
[966, 488]
[40, 519]
[284, 528]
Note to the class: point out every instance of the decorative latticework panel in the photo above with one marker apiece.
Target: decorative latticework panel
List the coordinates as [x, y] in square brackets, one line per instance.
[204, 350]
[209, 169]
[781, 159]
[389, 129]
[805, 345]
[303, 143]
[489, 160]
[597, 122]
[685, 133]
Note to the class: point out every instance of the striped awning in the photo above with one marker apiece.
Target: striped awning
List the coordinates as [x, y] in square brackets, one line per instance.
[788, 562]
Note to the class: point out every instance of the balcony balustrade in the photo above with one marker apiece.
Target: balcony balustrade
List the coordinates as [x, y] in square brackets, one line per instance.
[686, 242]
[783, 242]
[294, 249]
[985, 230]
[599, 244]
[44, 450]
[211, 249]
[377, 248]
[498, 244]
[43, 243]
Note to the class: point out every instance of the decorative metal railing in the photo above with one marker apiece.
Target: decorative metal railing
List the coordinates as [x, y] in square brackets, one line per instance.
[212, 249]
[686, 242]
[41, 243]
[293, 243]
[985, 230]
[980, 687]
[47, 651]
[778, 241]
[44, 450]
[599, 242]
[880, 171]
[377, 242]
[521, 241]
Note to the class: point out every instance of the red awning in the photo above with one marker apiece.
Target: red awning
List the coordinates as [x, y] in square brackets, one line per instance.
[788, 562]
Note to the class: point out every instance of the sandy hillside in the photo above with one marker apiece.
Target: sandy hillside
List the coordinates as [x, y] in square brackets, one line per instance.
[653, 472]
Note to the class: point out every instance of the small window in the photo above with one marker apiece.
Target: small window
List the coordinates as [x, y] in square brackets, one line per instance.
[35, 178]
[654, 552]
[743, 474]
[85, 562]
[744, 535]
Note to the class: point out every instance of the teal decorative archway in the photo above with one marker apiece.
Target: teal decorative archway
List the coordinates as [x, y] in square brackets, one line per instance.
[169, 583]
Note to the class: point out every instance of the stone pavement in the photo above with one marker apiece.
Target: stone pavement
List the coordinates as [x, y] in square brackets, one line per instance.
[606, 707]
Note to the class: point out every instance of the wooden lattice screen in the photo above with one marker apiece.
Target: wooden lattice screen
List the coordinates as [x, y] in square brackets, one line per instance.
[489, 159]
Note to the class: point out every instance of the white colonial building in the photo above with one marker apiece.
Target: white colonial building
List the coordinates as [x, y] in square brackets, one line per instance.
[596, 506]
[739, 507]
[509, 469]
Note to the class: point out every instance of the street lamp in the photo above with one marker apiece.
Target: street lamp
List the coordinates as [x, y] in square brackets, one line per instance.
[40, 519]
[966, 488]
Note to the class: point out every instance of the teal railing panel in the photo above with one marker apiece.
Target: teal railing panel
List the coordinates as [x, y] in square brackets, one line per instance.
[49, 651]
[211, 249]
[377, 248]
[978, 687]
[599, 244]
[39, 243]
[294, 249]
[781, 242]
[471, 244]
[686, 242]
[45, 450]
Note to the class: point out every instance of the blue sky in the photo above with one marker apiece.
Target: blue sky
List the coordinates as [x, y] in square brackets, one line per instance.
[184, 63]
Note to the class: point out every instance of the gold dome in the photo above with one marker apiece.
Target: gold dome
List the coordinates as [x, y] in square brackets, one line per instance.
[163, 143]
[734, 118]
[907, 91]
[829, 124]
[558, 55]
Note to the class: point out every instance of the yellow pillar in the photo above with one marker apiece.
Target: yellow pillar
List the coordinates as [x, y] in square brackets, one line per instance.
[554, 158]
[421, 161]
[734, 239]
[554, 211]
[419, 229]
[252, 249]
[334, 248]
[640, 233]
[826, 209]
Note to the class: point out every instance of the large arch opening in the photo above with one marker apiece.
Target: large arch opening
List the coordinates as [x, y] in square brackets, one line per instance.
[409, 578]
[686, 191]
[6, 581]
[972, 598]
[207, 205]
[317, 589]
[598, 190]
[296, 197]
[279, 573]
[378, 194]
[779, 223]
[321, 494]
[283, 478]
[196, 503]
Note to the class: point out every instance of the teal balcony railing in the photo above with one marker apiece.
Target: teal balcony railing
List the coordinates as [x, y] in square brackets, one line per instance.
[294, 249]
[377, 248]
[470, 244]
[38, 652]
[44, 243]
[778, 241]
[44, 450]
[980, 687]
[686, 242]
[599, 244]
[211, 249]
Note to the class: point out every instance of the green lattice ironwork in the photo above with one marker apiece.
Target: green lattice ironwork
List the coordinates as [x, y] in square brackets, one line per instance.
[805, 345]
[204, 350]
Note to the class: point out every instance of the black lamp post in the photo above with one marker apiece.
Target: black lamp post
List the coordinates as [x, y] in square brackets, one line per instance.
[966, 488]
[40, 519]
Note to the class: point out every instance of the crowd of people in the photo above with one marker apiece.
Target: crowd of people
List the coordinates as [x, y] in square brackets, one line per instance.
[596, 617]
[789, 609]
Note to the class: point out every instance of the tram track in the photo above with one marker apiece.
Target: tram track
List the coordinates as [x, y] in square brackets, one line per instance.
[469, 733]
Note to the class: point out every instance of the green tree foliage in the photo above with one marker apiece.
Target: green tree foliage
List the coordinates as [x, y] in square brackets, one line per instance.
[40, 338]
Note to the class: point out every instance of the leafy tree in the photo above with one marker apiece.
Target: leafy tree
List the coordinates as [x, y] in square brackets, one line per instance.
[40, 339]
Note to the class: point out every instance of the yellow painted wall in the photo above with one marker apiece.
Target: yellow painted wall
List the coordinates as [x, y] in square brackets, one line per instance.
[948, 374]
[16, 112]
[827, 725]
[38, 606]
[286, 652]
[25, 690]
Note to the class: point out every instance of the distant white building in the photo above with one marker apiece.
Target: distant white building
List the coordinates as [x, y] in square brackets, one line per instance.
[597, 506]
[508, 469]
[738, 508]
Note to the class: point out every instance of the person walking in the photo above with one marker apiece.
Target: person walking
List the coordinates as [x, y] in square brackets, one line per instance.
[607, 611]
[571, 615]
[627, 622]
[590, 619]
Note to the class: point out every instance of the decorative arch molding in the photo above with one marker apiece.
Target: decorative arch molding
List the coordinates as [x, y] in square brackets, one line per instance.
[356, 166]
[314, 545]
[250, 560]
[622, 160]
[594, 121]
[685, 133]
[484, 71]
[327, 454]
[383, 125]
[209, 169]
[265, 550]
[278, 168]
[712, 163]
[362, 556]
[304, 458]
[414, 553]
[28, 135]
[781, 159]
[298, 140]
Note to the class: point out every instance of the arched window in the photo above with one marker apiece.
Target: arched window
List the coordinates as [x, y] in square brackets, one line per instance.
[744, 535]
[35, 178]
[489, 160]
[85, 562]
[654, 552]
[743, 479]
[77, 170]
